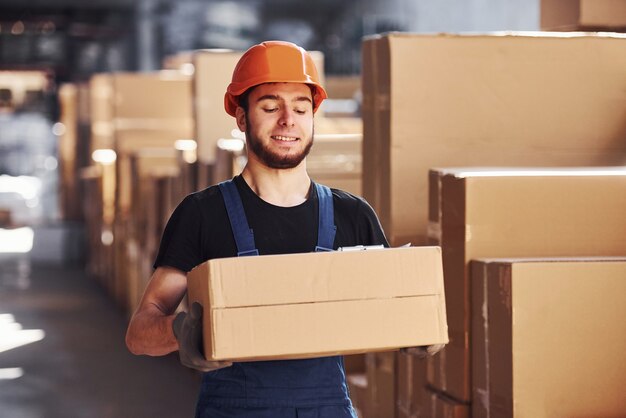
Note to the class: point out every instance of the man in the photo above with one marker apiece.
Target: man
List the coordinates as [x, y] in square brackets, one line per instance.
[273, 207]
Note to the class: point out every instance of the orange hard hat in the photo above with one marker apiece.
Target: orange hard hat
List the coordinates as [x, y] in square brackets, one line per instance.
[273, 62]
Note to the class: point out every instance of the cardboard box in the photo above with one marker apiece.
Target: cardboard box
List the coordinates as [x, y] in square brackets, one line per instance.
[411, 393]
[318, 304]
[548, 337]
[381, 384]
[354, 363]
[152, 98]
[335, 160]
[150, 110]
[442, 406]
[515, 213]
[101, 112]
[212, 74]
[583, 14]
[68, 148]
[343, 86]
[477, 100]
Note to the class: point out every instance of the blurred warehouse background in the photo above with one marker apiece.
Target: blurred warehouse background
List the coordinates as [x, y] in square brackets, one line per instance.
[111, 112]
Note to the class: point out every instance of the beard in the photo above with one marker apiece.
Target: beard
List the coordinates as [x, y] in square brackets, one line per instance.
[272, 158]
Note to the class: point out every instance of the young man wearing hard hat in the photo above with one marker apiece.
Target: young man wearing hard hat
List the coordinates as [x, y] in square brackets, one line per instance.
[272, 207]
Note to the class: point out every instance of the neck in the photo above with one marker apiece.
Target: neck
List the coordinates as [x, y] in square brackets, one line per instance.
[280, 187]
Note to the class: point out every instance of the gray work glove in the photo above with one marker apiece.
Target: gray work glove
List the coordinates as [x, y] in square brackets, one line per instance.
[423, 351]
[188, 332]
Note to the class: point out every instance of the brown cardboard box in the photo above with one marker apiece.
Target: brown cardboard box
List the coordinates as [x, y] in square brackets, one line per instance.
[144, 227]
[515, 213]
[583, 14]
[152, 99]
[182, 61]
[342, 86]
[354, 363]
[150, 110]
[254, 309]
[335, 160]
[442, 406]
[230, 159]
[337, 125]
[471, 100]
[381, 384]
[68, 153]
[212, 74]
[548, 337]
[101, 112]
[411, 395]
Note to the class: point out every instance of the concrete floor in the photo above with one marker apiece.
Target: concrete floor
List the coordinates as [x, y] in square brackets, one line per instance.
[81, 367]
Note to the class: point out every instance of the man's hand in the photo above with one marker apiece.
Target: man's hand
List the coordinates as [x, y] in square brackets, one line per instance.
[188, 331]
[424, 350]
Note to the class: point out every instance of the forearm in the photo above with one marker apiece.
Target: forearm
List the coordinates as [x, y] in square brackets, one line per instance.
[150, 332]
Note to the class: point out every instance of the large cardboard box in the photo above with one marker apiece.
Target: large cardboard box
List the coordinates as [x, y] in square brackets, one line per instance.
[515, 213]
[335, 160]
[101, 112]
[411, 392]
[212, 74]
[381, 384]
[549, 337]
[484, 100]
[317, 304]
[68, 148]
[152, 99]
[583, 14]
[442, 406]
[150, 110]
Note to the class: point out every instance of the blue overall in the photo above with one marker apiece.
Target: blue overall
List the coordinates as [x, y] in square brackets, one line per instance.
[308, 388]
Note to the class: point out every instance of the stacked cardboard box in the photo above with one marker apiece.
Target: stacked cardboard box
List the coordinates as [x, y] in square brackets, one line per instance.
[410, 384]
[381, 384]
[127, 114]
[144, 227]
[567, 15]
[484, 100]
[68, 153]
[335, 160]
[548, 337]
[213, 70]
[515, 213]
[101, 112]
[475, 100]
[150, 110]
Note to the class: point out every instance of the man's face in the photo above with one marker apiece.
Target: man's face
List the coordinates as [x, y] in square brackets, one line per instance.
[278, 124]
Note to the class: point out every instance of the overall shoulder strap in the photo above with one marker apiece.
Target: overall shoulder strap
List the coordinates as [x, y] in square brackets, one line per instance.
[326, 226]
[244, 236]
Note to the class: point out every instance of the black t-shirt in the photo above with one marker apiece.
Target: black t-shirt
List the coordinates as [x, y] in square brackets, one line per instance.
[199, 228]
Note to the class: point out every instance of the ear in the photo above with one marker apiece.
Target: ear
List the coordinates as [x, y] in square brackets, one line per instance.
[240, 116]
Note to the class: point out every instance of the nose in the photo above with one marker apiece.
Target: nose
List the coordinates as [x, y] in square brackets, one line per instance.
[286, 118]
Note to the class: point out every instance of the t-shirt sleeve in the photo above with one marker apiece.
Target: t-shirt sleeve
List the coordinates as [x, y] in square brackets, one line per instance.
[181, 241]
[370, 230]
